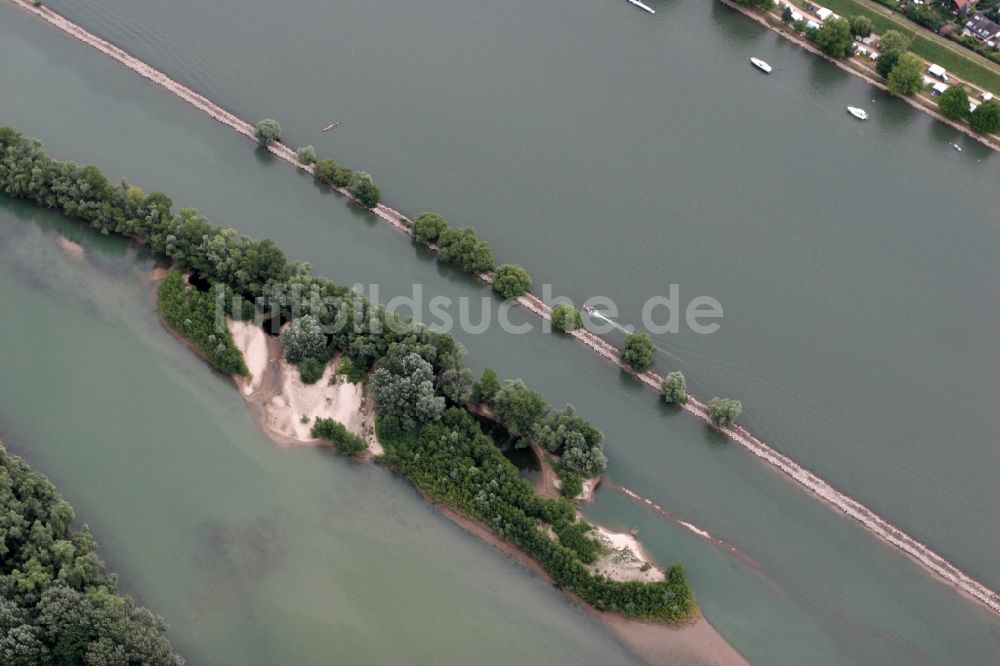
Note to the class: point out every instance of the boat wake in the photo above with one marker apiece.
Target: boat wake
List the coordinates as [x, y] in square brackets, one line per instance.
[883, 529]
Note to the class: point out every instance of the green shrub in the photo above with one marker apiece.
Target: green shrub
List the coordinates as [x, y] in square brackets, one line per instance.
[428, 227]
[574, 536]
[334, 431]
[570, 485]
[310, 370]
[511, 281]
[192, 313]
[566, 318]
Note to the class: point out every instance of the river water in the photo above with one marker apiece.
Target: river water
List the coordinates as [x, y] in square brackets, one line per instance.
[609, 152]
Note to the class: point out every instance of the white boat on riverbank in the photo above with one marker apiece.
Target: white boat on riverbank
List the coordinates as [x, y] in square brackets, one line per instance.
[858, 112]
[761, 65]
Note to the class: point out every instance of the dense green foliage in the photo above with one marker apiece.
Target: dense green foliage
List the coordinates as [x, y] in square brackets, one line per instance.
[517, 407]
[324, 170]
[334, 431]
[454, 462]
[674, 388]
[460, 246]
[907, 76]
[304, 338]
[407, 393]
[311, 370]
[954, 103]
[428, 227]
[364, 188]
[566, 318]
[986, 118]
[306, 155]
[192, 313]
[835, 38]
[487, 387]
[570, 483]
[353, 373]
[415, 368]
[580, 444]
[893, 44]
[268, 131]
[724, 411]
[638, 351]
[574, 536]
[58, 605]
[511, 281]
[861, 26]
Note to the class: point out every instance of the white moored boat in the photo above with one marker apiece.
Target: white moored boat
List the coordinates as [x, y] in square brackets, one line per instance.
[858, 113]
[761, 65]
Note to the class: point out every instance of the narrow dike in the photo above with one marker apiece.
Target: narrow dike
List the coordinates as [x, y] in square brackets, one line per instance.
[880, 527]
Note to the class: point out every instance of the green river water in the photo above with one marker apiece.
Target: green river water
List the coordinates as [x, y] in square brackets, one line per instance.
[608, 151]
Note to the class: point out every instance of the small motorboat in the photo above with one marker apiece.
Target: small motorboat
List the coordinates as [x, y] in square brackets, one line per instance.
[956, 147]
[761, 65]
[331, 126]
[858, 112]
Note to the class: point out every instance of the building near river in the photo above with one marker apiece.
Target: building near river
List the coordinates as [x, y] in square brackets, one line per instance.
[983, 29]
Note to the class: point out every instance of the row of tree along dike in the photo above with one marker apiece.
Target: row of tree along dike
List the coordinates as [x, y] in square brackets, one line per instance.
[58, 605]
[902, 70]
[421, 388]
[460, 247]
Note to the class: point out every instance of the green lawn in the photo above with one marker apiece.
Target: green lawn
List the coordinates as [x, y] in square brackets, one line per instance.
[964, 67]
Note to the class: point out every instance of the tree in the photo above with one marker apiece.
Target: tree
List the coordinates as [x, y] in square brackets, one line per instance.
[674, 388]
[518, 407]
[835, 38]
[587, 462]
[570, 484]
[342, 177]
[306, 155]
[893, 40]
[58, 605]
[892, 44]
[786, 14]
[486, 387]
[311, 370]
[564, 429]
[268, 131]
[363, 187]
[861, 26]
[324, 170]
[638, 351]
[907, 76]
[723, 411]
[511, 281]
[460, 246]
[427, 227]
[304, 338]
[986, 118]
[409, 394]
[954, 103]
[566, 318]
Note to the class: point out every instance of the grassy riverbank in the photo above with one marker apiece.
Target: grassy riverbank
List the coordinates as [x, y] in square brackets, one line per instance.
[952, 56]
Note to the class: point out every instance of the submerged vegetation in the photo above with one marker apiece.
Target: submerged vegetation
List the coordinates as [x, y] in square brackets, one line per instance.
[419, 382]
[58, 605]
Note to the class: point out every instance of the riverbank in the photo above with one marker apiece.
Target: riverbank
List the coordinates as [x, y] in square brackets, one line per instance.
[279, 400]
[656, 643]
[921, 554]
[771, 22]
